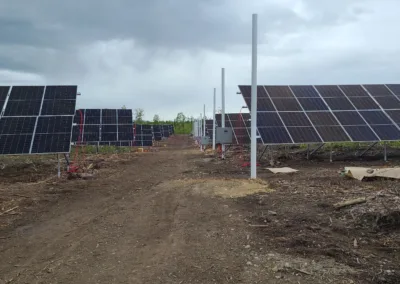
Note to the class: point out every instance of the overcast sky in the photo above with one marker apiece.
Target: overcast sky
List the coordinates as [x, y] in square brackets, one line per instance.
[165, 56]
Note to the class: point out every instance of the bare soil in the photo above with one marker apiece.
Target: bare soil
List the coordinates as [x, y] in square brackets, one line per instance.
[181, 216]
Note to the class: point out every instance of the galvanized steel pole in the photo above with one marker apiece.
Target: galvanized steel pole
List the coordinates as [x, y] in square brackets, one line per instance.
[253, 160]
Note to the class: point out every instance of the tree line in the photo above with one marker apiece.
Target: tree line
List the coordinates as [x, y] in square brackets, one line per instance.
[182, 123]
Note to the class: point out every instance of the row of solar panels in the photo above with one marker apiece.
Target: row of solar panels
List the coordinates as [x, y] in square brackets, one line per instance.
[42, 119]
[115, 127]
[319, 114]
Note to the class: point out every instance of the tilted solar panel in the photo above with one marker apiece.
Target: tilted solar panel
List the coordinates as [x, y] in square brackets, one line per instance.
[36, 119]
[327, 113]
[104, 125]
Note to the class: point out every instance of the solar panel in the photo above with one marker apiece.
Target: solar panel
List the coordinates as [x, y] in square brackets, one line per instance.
[111, 126]
[36, 119]
[328, 113]
[237, 121]
[157, 132]
[144, 135]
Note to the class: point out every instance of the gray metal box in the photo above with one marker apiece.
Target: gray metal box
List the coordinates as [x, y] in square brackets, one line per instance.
[205, 140]
[223, 135]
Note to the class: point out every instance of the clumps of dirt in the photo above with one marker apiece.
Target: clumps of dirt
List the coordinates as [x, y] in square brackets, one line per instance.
[225, 188]
[26, 170]
[381, 221]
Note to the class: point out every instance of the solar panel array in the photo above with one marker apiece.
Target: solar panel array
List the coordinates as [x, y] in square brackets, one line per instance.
[104, 126]
[326, 113]
[36, 119]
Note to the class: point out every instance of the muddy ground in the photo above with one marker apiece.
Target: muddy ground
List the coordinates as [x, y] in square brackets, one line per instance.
[177, 215]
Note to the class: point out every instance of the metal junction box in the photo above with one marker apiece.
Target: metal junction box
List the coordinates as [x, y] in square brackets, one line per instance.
[223, 135]
[205, 140]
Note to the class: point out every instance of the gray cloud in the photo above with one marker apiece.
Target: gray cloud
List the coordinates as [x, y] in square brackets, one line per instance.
[165, 55]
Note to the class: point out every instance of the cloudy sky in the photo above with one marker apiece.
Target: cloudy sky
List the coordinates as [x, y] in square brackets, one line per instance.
[165, 56]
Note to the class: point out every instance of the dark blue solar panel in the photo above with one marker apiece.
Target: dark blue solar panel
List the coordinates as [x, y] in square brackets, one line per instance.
[108, 128]
[91, 133]
[26, 93]
[245, 90]
[361, 133]
[125, 132]
[61, 92]
[387, 132]
[330, 91]
[23, 108]
[364, 103]
[52, 143]
[375, 117]
[266, 119]
[332, 134]
[339, 104]
[93, 112]
[109, 136]
[310, 104]
[90, 120]
[286, 104]
[264, 104]
[125, 112]
[261, 93]
[274, 135]
[54, 124]
[395, 115]
[58, 107]
[15, 144]
[388, 102]
[295, 119]
[304, 92]
[354, 91]
[108, 119]
[304, 135]
[378, 90]
[395, 88]
[349, 118]
[109, 112]
[322, 118]
[17, 125]
[279, 91]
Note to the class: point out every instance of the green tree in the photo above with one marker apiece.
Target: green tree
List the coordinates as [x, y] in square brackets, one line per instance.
[139, 114]
[156, 119]
[180, 118]
[123, 107]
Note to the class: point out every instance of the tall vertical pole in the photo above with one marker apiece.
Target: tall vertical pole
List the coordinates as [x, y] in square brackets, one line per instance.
[214, 106]
[204, 120]
[201, 131]
[223, 106]
[253, 162]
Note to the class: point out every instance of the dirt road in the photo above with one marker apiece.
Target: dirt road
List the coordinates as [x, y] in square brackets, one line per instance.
[155, 219]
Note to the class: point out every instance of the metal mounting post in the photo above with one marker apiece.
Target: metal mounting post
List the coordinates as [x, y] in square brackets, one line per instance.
[59, 166]
[330, 153]
[308, 151]
[385, 151]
